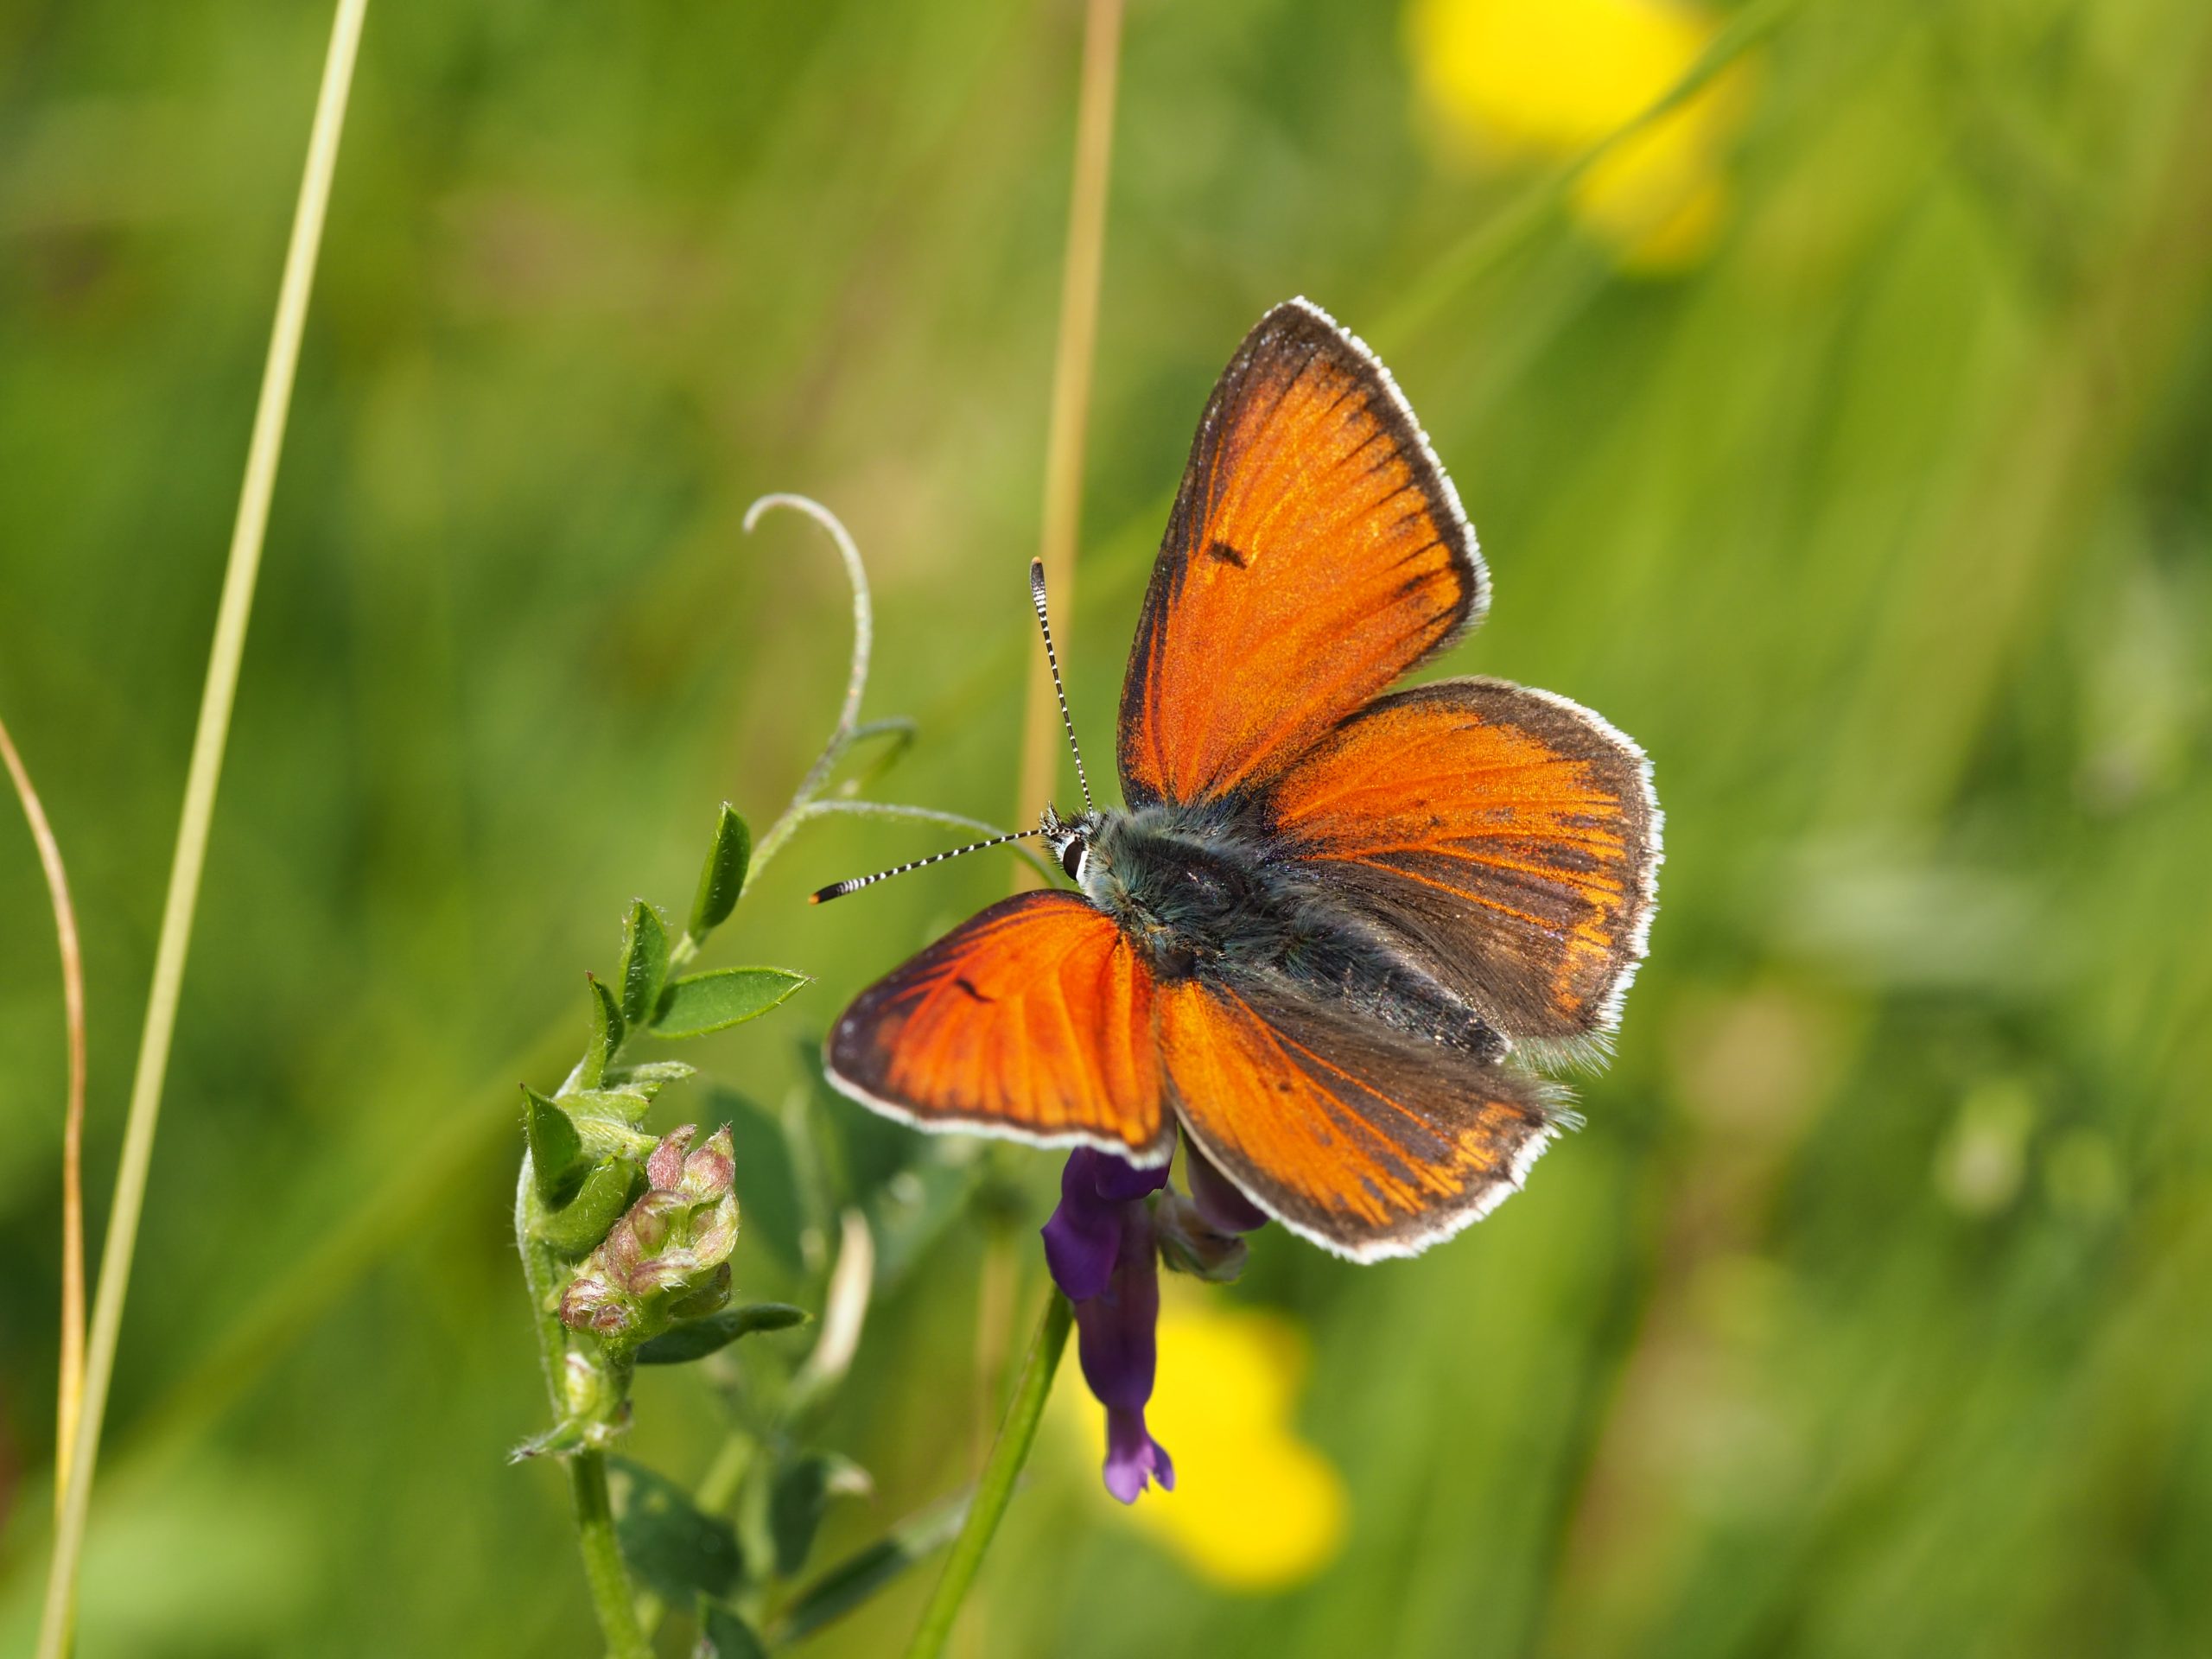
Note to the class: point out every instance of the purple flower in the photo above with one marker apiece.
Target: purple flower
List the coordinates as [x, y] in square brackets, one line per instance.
[1118, 1339]
[1222, 1204]
[1103, 1245]
[1083, 1238]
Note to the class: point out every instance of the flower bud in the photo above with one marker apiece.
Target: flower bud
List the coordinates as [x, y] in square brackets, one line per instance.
[668, 1257]
[1189, 1243]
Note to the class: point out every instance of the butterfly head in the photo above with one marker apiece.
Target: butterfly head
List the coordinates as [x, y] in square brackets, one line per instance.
[1074, 842]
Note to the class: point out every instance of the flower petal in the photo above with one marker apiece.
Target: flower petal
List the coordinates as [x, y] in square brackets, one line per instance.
[1083, 1240]
[1116, 1180]
[1116, 1330]
[1224, 1208]
[1132, 1455]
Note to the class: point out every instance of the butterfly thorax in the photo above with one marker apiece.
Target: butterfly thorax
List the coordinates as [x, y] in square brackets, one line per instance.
[1202, 893]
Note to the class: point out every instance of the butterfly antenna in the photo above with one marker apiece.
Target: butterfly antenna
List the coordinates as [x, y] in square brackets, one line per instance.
[839, 889]
[1053, 661]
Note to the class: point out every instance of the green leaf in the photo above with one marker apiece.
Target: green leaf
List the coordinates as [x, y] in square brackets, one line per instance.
[607, 1031]
[723, 1635]
[802, 1492]
[900, 730]
[674, 1549]
[567, 1435]
[557, 1151]
[722, 878]
[577, 1228]
[619, 1108]
[697, 1338]
[644, 961]
[861, 1574]
[699, 1003]
[649, 1078]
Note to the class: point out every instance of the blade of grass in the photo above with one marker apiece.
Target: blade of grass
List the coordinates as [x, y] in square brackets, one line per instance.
[1494, 240]
[1072, 358]
[205, 772]
[994, 1486]
[69, 1399]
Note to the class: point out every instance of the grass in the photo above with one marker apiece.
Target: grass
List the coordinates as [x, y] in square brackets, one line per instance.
[1861, 1318]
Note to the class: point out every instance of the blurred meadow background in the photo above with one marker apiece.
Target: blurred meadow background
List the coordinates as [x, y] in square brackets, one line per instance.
[1842, 435]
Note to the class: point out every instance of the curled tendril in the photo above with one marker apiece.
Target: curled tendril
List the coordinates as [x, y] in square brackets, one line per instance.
[849, 731]
[863, 628]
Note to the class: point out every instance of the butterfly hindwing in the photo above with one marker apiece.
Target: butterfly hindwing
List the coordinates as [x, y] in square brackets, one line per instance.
[1316, 552]
[1370, 1142]
[1032, 1020]
[1507, 838]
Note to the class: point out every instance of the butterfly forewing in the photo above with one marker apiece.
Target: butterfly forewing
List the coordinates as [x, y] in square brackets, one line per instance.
[1371, 1143]
[1315, 553]
[1034, 1019]
[1508, 838]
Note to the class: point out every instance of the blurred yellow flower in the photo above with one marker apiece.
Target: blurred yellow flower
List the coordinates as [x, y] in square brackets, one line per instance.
[1510, 79]
[1255, 1508]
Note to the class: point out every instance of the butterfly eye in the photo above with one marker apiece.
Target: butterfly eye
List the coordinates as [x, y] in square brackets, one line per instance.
[1075, 858]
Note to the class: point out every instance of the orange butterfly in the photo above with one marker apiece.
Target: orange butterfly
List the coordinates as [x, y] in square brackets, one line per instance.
[1331, 915]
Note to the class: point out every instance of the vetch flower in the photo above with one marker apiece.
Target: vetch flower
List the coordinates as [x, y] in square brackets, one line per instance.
[668, 1257]
[1104, 1244]
[1117, 1338]
[1083, 1240]
[1506, 79]
[1202, 1234]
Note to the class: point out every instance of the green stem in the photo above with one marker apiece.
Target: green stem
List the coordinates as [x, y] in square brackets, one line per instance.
[611, 1594]
[1017, 1434]
[603, 1568]
[58, 1621]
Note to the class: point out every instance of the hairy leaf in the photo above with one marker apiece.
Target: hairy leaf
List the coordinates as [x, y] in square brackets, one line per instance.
[607, 1032]
[699, 1003]
[723, 1635]
[801, 1494]
[861, 1574]
[556, 1150]
[722, 877]
[644, 961]
[673, 1547]
[696, 1339]
[576, 1229]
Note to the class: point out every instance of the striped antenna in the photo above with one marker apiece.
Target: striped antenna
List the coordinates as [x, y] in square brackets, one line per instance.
[1053, 661]
[839, 889]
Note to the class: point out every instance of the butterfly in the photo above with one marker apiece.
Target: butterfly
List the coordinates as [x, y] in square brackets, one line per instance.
[1334, 921]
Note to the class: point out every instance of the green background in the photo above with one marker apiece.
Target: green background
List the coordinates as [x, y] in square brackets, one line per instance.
[1869, 1314]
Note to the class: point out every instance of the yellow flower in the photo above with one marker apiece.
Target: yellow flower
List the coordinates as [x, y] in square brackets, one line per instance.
[1255, 1508]
[1547, 79]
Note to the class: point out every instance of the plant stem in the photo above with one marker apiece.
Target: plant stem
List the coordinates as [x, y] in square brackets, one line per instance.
[1071, 364]
[1017, 1434]
[58, 1622]
[612, 1596]
[70, 1395]
[603, 1568]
